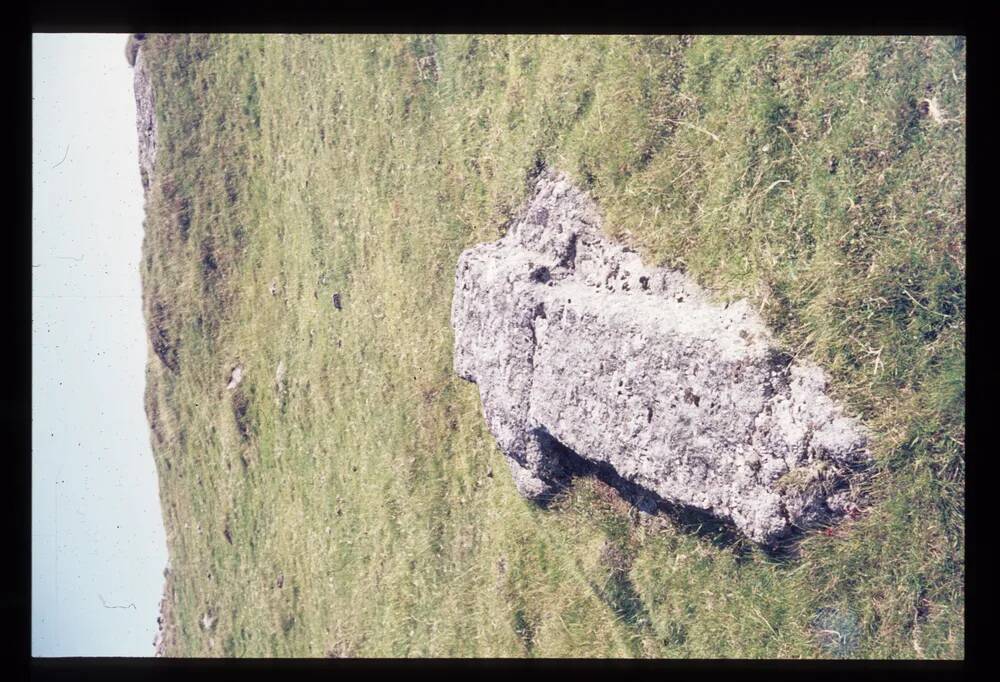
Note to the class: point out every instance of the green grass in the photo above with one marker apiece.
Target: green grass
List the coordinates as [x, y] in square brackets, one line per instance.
[806, 174]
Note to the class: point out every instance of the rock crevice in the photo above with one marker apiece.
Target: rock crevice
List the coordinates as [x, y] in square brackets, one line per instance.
[585, 357]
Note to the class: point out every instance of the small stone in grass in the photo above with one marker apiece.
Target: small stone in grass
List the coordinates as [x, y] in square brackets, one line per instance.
[235, 378]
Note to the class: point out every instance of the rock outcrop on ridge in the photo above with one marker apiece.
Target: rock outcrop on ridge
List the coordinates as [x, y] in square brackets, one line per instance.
[586, 359]
[145, 113]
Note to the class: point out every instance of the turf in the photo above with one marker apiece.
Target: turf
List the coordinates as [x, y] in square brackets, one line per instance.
[822, 178]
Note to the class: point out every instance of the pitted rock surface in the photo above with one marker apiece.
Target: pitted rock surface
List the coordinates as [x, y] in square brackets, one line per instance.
[145, 114]
[582, 354]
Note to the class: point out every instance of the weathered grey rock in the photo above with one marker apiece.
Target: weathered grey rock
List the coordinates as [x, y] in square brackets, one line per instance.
[145, 114]
[585, 357]
[235, 378]
[132, 46]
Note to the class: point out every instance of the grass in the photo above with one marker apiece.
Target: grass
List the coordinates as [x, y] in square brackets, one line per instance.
[822, 178]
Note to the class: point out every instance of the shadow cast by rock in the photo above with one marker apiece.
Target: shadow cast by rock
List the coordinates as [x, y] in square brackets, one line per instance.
[568, 466]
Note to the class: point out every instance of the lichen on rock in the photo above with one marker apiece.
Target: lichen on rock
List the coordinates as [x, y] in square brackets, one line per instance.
[585, 357]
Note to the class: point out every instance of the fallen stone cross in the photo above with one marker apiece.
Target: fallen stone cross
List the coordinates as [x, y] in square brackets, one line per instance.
[586, 358]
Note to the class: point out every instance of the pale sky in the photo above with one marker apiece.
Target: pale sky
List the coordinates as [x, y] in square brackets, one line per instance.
[97, 531]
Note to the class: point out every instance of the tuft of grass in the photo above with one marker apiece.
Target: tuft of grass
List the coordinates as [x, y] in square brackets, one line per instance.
[822, 178]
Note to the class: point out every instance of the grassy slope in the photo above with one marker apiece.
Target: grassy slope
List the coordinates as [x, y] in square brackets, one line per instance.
[802, 173]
